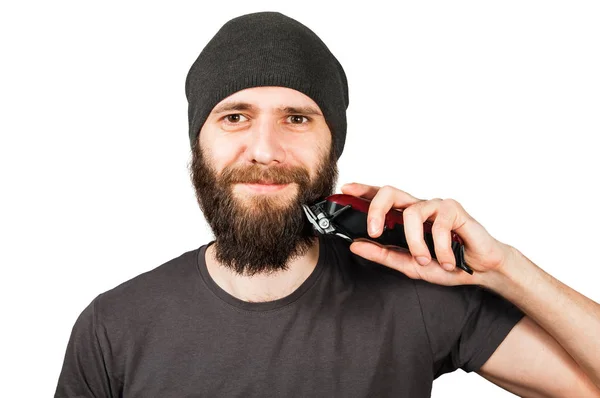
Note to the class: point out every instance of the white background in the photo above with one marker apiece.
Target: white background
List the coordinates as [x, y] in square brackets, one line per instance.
[495, 104]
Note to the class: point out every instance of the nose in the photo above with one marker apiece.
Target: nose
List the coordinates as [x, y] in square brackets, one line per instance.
[265, 143]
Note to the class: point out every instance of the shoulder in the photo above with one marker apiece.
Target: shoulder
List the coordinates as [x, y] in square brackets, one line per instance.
[367, 277]
[151, 290]
[382, 277]
[377, 280]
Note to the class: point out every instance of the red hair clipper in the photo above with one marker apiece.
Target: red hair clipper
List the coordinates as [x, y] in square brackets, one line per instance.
[346, 217]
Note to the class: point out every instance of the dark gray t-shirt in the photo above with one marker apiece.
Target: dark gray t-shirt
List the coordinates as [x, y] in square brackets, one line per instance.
[352, 329]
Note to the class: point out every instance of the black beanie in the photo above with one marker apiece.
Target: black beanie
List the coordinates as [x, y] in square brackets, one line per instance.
[267, 49]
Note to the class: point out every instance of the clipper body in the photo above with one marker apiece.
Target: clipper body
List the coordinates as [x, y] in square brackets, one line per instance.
[346, 216]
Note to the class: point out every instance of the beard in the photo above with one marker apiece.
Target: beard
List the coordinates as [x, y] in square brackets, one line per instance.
[259, 233]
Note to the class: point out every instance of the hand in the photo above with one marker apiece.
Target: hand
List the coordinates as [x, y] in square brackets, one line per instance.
[483, 253]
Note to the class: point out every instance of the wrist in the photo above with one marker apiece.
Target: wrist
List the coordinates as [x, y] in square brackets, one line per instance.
[510, 276]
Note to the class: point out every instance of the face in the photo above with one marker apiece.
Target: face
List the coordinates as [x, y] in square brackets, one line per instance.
[261, 153]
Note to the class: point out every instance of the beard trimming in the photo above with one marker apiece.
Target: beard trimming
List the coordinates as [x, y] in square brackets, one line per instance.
[263, 234]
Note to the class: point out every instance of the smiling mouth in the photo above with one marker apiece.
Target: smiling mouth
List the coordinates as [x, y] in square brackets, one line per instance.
[264, 186]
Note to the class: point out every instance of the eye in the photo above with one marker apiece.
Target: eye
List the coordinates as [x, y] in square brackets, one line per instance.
[235, 118]
[297, 119]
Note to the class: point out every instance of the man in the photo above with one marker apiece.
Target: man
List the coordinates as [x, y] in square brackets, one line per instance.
[269, 309]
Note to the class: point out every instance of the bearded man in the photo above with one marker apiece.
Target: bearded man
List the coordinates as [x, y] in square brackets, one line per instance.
[270, 309]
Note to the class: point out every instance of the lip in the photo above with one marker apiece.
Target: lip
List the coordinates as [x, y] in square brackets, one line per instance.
[264, 187]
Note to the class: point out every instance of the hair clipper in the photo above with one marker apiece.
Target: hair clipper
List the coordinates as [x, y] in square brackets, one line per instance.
[346, 217]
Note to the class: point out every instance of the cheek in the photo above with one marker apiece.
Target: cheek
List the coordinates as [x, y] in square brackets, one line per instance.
[220, 152]
[310, 150]
[309, 159]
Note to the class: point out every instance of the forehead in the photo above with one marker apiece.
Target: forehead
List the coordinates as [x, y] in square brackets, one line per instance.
[268, 98]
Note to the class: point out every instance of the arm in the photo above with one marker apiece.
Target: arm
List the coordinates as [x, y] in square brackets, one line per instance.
[530, 363]
[560, 334]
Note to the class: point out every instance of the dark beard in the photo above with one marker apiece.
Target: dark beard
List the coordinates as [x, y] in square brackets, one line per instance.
[262, 235]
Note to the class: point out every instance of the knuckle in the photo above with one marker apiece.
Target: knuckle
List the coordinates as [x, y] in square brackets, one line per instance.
[438, 226]
[444, 255]
[410, 212]
[383, 255]
[444, 218]
[450, 203]
[386, 255]
[415, 243]
[387, 189]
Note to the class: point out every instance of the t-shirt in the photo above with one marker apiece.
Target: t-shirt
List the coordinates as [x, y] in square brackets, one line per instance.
[353, 328]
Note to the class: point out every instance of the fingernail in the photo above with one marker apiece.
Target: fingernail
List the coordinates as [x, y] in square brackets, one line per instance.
[373, 226]
[448, 266]
[423, 260]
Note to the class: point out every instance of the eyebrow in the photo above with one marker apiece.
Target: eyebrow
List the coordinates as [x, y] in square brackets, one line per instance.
[244, 106]
[233, 106]
[301, 110]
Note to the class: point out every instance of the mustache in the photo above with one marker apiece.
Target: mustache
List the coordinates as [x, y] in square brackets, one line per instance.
[256, 174]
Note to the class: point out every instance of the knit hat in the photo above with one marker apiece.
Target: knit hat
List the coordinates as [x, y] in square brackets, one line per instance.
[267, 49]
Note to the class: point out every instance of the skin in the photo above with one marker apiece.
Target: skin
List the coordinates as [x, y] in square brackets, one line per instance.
[552, 352]
[269, 136]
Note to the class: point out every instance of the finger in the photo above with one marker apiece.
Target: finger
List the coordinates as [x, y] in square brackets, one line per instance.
[386, 198]
[414, 216]
[441, 231]
[406, 264]
[360, 190]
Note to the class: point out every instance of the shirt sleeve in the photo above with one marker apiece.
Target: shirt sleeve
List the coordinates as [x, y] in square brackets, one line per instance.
[84, 372]
[464, 324]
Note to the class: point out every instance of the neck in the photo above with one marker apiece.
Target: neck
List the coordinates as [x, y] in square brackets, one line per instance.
[263, 287]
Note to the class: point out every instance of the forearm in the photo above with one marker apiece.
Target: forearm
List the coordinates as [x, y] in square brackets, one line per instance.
[571, 318]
